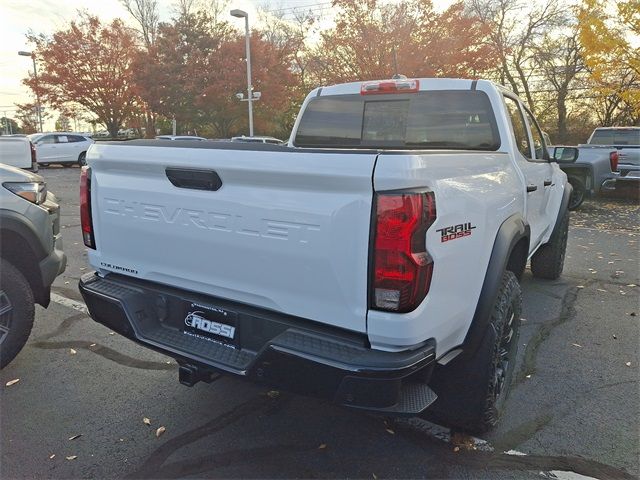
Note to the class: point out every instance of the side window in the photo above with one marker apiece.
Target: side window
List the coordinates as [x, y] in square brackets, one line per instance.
[75, 138]
[538, 140]
[62, 139]
[519, 127]
[47, 139]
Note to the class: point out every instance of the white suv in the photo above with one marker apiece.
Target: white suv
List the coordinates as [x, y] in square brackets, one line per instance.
[61, 147]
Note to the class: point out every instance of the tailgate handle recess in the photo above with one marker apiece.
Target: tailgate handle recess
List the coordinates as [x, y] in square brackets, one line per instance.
[194, 178]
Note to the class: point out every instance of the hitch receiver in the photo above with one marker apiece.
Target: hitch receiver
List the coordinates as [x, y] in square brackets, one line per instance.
[189, 375]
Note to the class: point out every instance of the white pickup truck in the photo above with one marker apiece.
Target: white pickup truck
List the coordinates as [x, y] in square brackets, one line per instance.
[373, 260]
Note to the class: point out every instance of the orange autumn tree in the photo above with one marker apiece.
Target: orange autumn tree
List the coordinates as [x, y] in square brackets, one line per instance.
[90, 65]
[373, 40]
[609, 37]
[197, 65]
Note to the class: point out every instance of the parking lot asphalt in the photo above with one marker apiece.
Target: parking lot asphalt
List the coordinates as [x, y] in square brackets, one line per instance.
[574, 406]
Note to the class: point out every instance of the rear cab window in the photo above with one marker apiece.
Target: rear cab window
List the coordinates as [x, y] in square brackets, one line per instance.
[444, 119]
[616, 137]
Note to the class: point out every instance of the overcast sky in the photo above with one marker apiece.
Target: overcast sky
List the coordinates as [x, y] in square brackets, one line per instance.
[17, 17]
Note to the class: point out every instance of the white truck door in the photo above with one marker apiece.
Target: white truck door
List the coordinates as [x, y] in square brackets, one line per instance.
[537, 171]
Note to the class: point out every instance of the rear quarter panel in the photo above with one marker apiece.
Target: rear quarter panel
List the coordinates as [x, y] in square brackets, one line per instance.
[470, 187]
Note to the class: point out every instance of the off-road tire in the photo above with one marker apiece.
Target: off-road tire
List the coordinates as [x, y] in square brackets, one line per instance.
[82, 159]
[17, 311]
[472, 388]
[548, 261]
[578, 194]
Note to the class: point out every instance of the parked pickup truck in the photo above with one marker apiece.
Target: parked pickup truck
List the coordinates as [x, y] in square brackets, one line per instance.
[373, 260]
[609, 160]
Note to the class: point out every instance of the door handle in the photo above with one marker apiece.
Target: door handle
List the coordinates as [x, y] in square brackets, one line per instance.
[547, 183]
[531, 188]
[194, 178]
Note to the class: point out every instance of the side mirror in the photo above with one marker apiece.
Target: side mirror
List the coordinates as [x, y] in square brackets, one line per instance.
[565, 154]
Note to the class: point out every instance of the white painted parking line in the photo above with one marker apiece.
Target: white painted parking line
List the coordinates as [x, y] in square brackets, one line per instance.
[67, 302]
[562, 475]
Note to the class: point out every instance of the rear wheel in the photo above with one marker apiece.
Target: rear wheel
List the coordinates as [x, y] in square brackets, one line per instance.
[548, 261]
[82, 159]
[17, 311]
[578, 194]
[472, 389]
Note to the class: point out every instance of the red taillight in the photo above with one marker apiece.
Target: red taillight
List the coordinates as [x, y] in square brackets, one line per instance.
[614, 157]
[34, 157]
[402, 266]
[85, 207]
[390, 86]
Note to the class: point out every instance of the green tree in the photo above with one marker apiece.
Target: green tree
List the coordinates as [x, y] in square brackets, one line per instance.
[63, 124]
[9, 126]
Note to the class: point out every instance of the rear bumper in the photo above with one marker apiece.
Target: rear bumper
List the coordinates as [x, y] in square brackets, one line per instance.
[272, 348]
[626, 177]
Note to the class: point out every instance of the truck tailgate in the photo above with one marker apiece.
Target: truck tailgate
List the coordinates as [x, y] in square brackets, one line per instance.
[286, 230]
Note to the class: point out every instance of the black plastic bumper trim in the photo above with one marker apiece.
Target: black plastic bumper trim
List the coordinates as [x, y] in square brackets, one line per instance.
[276, 349]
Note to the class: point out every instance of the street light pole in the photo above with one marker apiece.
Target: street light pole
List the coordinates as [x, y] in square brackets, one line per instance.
[35, 76]
[242, 14]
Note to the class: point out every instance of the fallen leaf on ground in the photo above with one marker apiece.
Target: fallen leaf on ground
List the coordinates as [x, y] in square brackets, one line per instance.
[602, 290]
[146, 421]
[456, 449]
[75, 436]
[51, 456]
[390, 431]
[72, 351]
[614, 337]
[72, 457]
[527, 376]
[632, 285]
[92, 345]
[112, 333]
[322, 446]
[160, 431]
[12, 382]
[580, 286]
[576, 345]
[628, 364]
[273, 394]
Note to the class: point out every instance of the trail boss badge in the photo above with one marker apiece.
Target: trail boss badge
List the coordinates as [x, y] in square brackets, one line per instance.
[455, 231]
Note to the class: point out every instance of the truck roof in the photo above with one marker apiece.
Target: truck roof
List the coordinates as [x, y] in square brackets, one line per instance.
[618, 128]
[425, 84]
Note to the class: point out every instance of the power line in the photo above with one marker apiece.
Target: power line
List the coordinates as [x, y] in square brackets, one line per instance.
[299, 7]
